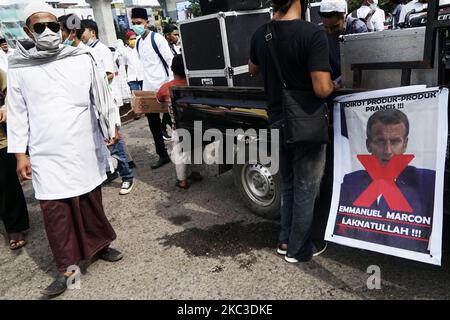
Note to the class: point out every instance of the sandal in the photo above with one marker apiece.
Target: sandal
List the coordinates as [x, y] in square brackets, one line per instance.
[183, 184]
[17, 244]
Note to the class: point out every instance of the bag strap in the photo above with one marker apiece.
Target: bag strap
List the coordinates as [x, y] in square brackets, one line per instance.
[137, 46]
[270, 38]
[172, 48]
[370, 14]
[155, 47]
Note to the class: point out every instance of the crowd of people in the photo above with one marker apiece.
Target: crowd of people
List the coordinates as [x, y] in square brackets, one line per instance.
[65, 139]
[64, 95]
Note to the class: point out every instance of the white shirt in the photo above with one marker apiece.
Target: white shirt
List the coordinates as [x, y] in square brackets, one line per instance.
[81, 45]
[3, 61]
[99, 65]
[50, 110]
[410, 6]
[135, 67]
[106, 62]
[176, 48]
[10, 52]
[376, 23]
[154, 73]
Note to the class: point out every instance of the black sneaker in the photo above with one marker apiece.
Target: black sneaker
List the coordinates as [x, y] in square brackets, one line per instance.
[110, 255]
[110, 177]
[290, 259]
[166, 136]
[126, 187]
[57, 287]
[162, 161]
[319, 248]
[282, 249]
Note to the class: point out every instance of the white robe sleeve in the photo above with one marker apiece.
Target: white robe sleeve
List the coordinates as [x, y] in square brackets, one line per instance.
[114, 114]
[18, 122]
[116, 117]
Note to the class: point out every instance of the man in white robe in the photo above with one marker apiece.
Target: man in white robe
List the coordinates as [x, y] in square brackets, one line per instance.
[52, 92]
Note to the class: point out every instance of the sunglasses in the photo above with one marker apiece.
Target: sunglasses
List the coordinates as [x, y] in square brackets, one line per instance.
[40, 27]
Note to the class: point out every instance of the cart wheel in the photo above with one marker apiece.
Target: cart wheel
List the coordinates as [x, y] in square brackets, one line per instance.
[259, 189]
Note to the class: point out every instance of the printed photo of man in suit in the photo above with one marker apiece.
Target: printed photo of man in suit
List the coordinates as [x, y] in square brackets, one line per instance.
[387, 135]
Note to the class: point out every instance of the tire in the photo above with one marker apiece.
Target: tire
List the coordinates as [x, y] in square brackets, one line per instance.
[263, 199]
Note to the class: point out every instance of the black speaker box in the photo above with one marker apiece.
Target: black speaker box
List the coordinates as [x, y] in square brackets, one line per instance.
[214, 6]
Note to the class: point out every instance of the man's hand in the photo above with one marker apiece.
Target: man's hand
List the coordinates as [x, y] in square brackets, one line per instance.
[337, 85]
[23, 167]
[2, 116]
[114, 140]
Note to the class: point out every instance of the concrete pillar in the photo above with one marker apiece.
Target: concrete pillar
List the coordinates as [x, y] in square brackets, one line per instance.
[170, 7]
[104, 18]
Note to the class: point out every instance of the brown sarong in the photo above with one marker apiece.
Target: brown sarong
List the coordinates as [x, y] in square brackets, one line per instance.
[77, 228]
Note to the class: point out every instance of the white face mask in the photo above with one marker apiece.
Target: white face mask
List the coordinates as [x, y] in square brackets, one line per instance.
[47, 40]
[374, 5]
[90, 42]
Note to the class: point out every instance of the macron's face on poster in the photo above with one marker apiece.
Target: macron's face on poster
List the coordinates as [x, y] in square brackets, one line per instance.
[387, 140]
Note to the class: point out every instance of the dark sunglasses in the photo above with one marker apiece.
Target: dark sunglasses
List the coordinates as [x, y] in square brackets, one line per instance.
[40, 27]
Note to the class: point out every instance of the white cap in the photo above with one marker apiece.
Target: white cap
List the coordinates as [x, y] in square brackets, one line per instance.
[333, 6]
[35, 7]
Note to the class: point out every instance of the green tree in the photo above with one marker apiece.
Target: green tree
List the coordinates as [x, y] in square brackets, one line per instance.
[353, 4]
[195, 6]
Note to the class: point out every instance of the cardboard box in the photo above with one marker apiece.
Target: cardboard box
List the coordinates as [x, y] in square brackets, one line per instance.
[145, 102]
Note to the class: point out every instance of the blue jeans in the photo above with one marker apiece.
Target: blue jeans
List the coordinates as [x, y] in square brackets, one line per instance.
[135, 85]
[118, 152]
[301, 169]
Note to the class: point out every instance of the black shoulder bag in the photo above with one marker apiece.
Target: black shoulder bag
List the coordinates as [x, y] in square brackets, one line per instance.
[155, 47]
[305, 115]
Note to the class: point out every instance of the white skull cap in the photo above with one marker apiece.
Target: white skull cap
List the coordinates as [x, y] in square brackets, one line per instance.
[36, 7]
[333, 6]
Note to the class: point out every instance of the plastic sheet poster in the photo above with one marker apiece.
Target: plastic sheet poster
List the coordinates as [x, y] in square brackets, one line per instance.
[389, 161]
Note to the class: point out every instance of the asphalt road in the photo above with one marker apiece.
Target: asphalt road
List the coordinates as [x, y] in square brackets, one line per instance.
[203, 243]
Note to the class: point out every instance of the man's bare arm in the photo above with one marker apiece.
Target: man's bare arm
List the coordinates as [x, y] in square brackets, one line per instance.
[322, 84]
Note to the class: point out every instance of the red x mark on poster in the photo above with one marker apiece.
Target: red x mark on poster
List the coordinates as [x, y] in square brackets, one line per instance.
[384, 182]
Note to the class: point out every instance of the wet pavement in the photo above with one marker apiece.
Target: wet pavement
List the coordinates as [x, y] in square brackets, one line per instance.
[203, 243]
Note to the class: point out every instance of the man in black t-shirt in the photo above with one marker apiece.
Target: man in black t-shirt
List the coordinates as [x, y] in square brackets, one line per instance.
[302, 48]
